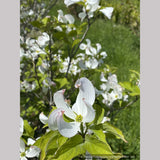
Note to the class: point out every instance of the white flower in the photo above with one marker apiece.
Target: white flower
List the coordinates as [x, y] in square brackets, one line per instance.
[92, 63]
[45, 65]
[107, 12]
[43, 40]
[33, 151]
[21, 126]
[65, 18]
[81, 111]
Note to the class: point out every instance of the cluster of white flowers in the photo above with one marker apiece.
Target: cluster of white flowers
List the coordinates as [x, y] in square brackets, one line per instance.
[112, 90]
[28, 86]
[92, 57]
[73, 66]
[88, 60]
[90, 6]
[32, 151]
[34, 47]
[66, 19]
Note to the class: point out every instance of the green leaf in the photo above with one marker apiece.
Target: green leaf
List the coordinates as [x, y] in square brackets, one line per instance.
[44, 141]
[99, 114]
[73, 33]
[70, 149]
[113, 130]
[96, 147]
[28, 129]
[54, 144]
[37, 24]
[61, 81]
[76, 42]
[100, 135]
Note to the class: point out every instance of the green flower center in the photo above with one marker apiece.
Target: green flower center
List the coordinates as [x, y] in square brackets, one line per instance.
[23, 154]
[79, 118]
[116, 96]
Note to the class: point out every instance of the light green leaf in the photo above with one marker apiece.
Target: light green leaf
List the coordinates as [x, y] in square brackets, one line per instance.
[44, 141]
[61, 81]
[99, 114]
[113, 130]
[96, 147]
[70, 149]
[76, 42]
[29, 131]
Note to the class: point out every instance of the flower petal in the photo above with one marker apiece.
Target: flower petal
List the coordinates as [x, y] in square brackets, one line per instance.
[69, 18]
[52, 120]
[82, 15]
[21, 126]
[33, 151]
[86, 90]
[82, 46]
[107, 12]
[90, 113]
[70, 2]
[30, 141]
[67, 129]
[60, 103]
[43, 118]
[22, 146]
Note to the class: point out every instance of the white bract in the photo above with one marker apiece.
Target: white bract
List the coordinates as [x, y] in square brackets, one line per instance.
[43, 118]
[107, 11]
[33, 151]
[21, 126]
[81, 111]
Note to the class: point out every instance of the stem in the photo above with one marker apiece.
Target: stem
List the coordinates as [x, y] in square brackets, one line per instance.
[130, 103]
[74, 51]
[48, 9]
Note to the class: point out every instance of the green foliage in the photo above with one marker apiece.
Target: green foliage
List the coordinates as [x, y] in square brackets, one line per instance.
[28, 130]
[126, 12]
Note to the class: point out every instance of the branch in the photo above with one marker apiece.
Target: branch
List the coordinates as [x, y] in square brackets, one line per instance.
[74, 51]
[48, 9]
[129, 104]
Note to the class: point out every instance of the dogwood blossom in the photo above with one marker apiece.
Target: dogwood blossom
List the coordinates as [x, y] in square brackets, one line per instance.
[89, 7]
[43, 40]
[68, 18]
[81, 111]
[93, 57]
[33, 151]
[112, 90]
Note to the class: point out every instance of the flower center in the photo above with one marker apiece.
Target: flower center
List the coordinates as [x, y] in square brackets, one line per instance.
[79, 118]
[23, 154]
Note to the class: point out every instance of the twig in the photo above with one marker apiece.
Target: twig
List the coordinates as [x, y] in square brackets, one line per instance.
[48, 9]
[129, 104]
[74, 51]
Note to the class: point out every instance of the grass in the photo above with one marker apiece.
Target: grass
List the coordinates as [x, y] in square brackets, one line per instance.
[120, 44]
